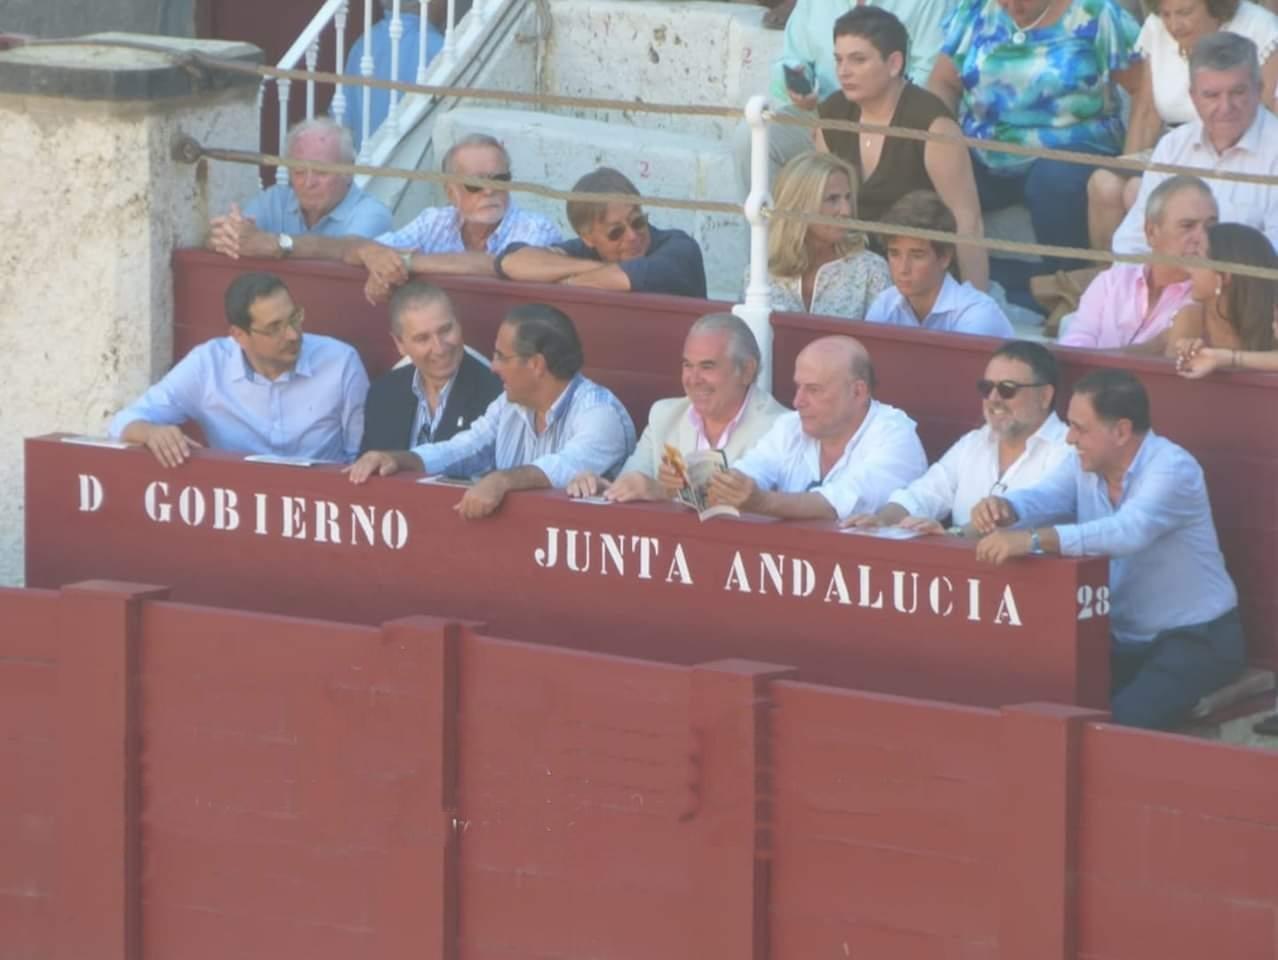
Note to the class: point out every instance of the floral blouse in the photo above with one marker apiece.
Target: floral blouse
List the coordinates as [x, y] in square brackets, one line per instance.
[843, 288]
[1047, 87]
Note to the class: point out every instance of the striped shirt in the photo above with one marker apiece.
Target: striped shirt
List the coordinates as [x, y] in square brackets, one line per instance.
[438, 230]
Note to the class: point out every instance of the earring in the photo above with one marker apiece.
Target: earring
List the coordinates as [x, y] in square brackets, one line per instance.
[1218, 286]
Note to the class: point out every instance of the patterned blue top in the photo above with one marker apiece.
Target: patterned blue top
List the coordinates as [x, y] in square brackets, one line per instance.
[1053, 89]
[438, 230]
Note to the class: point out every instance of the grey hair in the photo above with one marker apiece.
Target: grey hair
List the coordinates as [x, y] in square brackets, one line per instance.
[346, 145]
[416, 293]
[742, 345]
[1161, 195]
[474, 140]
[1225, 51]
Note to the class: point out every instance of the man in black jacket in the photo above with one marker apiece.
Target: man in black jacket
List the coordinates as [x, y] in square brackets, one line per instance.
[444, 387]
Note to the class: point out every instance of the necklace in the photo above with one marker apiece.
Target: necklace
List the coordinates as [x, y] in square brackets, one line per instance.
[1019, 36]
[867, 139]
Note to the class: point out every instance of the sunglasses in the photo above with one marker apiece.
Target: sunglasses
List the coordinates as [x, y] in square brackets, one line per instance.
[500, 177]
[637, 224]
[1006, 388]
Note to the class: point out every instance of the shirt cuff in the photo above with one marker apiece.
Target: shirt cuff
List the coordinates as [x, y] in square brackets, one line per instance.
[906, 501]
[1071, 539]
[843, 501]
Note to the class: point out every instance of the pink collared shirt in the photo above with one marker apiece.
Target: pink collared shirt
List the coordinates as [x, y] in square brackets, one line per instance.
[699, 425]
[1115, 312]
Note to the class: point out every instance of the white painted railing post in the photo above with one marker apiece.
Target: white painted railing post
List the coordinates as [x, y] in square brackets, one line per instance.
[423, 22]
[366, 71]
[757, 307]
[281, 85]
[396, 34]
[339, 89]
[312, 61]
[450, 33]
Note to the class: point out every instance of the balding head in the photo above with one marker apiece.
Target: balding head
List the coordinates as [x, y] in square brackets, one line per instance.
[834, 384]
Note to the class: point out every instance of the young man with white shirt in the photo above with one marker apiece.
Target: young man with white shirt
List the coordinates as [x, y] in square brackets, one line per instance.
[1140, 500]
[1021, 442]
[840, 452]
[1234, 133]
[924, 294]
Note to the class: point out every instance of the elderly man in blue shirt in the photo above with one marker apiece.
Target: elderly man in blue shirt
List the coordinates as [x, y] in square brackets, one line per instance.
[550, 424]
[262, 389]
[1140, 500]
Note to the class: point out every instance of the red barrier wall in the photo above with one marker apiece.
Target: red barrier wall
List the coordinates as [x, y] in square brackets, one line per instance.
[244, 785]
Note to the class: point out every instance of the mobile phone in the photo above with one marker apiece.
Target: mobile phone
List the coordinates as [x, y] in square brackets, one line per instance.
[798, 80]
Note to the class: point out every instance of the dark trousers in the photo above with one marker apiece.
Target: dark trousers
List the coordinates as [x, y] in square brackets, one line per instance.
[1056, 194]
[1156, 684]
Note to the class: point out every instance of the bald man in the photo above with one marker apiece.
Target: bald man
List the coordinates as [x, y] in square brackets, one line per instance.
[840, 452]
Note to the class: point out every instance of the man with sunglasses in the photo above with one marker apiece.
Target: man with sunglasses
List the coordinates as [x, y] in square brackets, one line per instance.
[1021, 442]
[265, 388]
[617, 248]
[1140, 500]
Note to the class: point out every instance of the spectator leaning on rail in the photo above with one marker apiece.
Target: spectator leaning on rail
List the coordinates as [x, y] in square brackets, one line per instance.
[814, 268]
[1140, 500]
[1195, 359]
[616, 248]
[924, 293]
[1037, 73]
[1233, 134]
[264, 388]
[282, 219]
[1133, 303]
[869, 62]
[808, 49]
[721, 410]
[838, 453]
[441, 391]
[1171, 31]
[1021, 442]
[550, 424]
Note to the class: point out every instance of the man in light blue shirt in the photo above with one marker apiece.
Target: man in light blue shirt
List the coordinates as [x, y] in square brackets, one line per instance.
[550, 424]
[1140, 500]
[923, 293]
[279, 220]
[263, 389]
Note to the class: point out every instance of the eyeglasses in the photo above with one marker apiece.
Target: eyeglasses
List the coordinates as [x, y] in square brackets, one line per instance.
[637, 224]
[278, 328]
[476, 188]
[1006, 388]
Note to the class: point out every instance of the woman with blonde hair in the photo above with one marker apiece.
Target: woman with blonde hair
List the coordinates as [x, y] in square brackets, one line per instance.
[813, 268]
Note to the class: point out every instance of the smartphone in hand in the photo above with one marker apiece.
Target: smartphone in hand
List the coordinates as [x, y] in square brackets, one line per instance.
[798, 80]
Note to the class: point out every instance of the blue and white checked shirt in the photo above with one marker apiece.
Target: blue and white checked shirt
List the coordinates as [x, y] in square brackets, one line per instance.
[275, 210]
[315, 411]
[438, 230]
[1165, 567]
[587, 428]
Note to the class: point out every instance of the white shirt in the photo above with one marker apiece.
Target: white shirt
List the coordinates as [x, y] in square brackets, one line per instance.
[959, 308]
[969, 472]
[883, 454]
[1254, 204]
[1170, 71]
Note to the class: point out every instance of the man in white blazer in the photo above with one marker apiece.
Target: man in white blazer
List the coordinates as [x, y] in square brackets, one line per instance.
[721, 410]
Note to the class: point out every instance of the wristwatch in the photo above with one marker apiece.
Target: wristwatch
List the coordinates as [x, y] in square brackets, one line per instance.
[1036, 545]
[286, 244]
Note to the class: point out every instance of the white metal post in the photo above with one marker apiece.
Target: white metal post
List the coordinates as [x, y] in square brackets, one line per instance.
[423, 22]
[312, 61]
[339, 90]
[366, 71]
[450, 33]
[281, 86]
[396, 34]
[757, 307]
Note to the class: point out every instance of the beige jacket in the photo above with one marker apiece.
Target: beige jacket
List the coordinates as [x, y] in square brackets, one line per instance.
[668, 423]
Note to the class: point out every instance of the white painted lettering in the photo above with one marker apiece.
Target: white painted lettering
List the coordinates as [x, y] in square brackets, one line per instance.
[649, 547]
[973, 600]
[1007, 612]
[259, 523]
[770, 568]
[737, 577]
[865, 601]
[679, 567]
[898, 591]
[294, 510]
[838, 587]
[91, 494]
[161, 511]
[394, 529]
[326, 528]
[802, 578]
[934, 596]
[612, 548]
[570, 538]
[548, 555]
[225, 514]
[191, 506]
[362, 524]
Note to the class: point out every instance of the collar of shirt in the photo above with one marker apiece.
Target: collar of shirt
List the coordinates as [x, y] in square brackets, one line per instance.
[948, 299]
[557, 410]
[419, 391]
[239, 368]
[1252, 140]
[1051, 431]
[339, 214]
[812, 448]
[496, 241]
[1134, 468]
[699, 424]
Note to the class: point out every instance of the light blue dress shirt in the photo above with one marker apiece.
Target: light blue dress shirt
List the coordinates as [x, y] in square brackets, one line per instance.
[275, 210]
[315, 411]
[587, 428]
[409, 45]
[959, 308]
[1165, 567]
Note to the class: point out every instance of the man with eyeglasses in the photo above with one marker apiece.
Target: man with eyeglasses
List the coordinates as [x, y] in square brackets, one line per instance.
[265, 388]
[840, 452]
[1021, 442]
[550, 424]
[1140, 500]
[616, 248]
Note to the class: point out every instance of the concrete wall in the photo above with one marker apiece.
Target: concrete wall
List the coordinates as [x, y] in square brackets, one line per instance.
[94, 206]
[44, 19]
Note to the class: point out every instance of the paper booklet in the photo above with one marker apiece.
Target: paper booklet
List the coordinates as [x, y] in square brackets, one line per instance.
[695, 470]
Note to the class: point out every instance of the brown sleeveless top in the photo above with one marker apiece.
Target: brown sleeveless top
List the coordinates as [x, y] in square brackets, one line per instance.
[901, 167]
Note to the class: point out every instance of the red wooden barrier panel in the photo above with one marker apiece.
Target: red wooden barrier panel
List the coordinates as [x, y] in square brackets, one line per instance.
[253, 785]
[647, 580]
[1226, 422]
